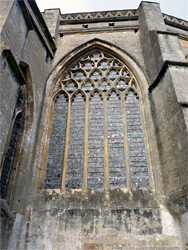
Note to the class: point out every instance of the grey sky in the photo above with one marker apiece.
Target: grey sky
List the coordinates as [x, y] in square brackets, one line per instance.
[177, 8]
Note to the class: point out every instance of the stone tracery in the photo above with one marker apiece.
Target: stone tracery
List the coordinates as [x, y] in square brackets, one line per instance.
[105, 130]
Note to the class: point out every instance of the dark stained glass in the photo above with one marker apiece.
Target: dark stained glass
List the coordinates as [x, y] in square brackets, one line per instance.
[137, 154]
[57, 141]
[96, 143]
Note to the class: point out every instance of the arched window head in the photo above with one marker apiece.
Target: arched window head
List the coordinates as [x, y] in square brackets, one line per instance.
[97, 137]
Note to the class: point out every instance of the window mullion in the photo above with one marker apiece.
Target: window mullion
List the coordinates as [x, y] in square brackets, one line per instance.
[106, 168]
[85, 165]
[65, 157]
[125, 141]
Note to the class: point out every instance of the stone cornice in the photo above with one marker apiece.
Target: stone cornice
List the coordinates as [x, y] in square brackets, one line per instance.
[100, 16]
[116, 15]
[176, 20]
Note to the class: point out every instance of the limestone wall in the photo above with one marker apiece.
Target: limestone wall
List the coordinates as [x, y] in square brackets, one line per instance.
[23, 65]
[121, 222]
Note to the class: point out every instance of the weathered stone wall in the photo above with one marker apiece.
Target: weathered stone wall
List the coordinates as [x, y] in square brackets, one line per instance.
[52, 18]
[74, 221]
[164, 64]
[22, 46]
[8, 101]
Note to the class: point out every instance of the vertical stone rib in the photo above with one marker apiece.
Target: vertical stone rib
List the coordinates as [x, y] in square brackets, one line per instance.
[85, 167]
[125, 141]
[106, 168]
[66, 147]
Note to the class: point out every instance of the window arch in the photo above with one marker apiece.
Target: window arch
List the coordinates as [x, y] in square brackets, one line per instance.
[103, 145]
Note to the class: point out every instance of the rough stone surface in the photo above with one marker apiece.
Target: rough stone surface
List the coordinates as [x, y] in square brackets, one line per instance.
[77, 222]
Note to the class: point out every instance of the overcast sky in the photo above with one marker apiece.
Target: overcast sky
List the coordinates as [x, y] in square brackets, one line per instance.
[177, 8]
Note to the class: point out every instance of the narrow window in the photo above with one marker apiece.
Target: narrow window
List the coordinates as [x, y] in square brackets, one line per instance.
[116, 155]
[57, 141]
[137, 154]
[96, 143]
[76, 143]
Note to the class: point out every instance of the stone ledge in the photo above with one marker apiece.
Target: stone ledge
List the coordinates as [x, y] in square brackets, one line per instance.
[99, 30]
[117, 198]
[175, 21]
[99, 20]
[176, 25]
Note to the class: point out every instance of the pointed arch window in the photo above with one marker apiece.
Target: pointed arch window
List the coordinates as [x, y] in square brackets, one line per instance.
[97, 136]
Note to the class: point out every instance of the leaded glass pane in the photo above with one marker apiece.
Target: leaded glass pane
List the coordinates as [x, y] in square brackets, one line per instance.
[87, 87]
[137, 154]
[96, 143]
[121, 85]
[95, 76]
[113, 74]
[104, 86]
[116, 154]
[71, 87]
[57, 141]
[76, 143]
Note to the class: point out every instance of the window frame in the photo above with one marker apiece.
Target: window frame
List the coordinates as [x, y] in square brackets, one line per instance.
[58, 90]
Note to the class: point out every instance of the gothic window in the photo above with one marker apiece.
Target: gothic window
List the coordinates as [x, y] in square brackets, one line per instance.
[97, 136]
[11, 155]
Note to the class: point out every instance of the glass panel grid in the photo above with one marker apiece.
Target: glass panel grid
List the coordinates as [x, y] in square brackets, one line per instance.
[105, 81]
